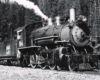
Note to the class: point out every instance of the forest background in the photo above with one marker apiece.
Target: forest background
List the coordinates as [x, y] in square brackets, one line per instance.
[13, 16]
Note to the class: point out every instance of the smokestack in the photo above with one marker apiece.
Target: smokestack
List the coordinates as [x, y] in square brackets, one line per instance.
[58, 20]
[50, 21]
[72, 15]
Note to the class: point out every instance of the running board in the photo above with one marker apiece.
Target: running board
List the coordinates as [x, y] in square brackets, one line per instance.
[26, 49]
[61, 41]
[46, 38]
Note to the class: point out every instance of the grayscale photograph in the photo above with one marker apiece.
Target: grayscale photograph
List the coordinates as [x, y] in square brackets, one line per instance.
[49, 40]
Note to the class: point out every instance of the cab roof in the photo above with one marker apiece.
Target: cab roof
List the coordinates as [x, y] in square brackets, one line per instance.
[37, 22]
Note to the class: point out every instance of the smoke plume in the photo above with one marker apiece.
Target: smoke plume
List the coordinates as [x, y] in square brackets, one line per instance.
[30, 5]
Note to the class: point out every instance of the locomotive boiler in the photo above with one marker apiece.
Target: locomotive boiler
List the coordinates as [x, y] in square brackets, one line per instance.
[60, 45]
[77, 33]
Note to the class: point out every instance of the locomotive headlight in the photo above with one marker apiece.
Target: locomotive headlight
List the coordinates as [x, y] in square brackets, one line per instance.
[84, 19]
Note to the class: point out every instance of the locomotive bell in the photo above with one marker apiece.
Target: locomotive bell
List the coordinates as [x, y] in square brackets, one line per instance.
[50, 21]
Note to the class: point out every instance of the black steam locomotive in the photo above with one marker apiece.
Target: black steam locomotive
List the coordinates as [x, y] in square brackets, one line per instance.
[59, 46]
[54, 45]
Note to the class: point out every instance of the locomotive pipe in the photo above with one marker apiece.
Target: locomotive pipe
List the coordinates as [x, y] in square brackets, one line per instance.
[72, 15]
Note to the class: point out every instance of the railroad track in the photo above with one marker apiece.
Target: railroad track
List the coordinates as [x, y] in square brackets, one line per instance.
[18, 73]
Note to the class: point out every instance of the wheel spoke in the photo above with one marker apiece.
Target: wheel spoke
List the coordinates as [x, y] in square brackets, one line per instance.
[59, 67]
[73, 66]
[33, 61]
[52, 66]
[33, 65]
[43, 65]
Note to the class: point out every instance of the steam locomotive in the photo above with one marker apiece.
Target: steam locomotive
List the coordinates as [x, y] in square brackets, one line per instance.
[54, 45]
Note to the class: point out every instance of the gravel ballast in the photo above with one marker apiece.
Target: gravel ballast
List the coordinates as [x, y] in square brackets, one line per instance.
[18, 73]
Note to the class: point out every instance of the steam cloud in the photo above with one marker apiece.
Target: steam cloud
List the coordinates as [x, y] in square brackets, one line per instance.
[30, 5]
